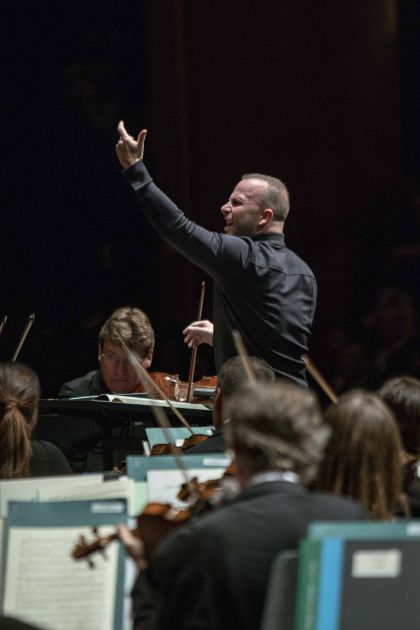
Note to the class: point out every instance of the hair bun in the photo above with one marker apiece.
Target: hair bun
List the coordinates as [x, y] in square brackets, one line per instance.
[12, 404]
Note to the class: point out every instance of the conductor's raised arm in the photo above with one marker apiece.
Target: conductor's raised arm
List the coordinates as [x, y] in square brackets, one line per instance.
[127, 148]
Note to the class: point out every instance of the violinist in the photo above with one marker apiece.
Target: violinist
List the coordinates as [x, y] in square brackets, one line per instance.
[230, 378]
[20, 454]
[212, 574]
[261, 288]
[116, 373]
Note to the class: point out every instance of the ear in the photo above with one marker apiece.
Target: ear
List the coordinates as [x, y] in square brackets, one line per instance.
[147, 360]
[99, 351]
[267, 216]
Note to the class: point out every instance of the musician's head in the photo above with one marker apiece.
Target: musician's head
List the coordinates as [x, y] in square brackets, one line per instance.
[130, 327]
[231, 376]
[275, 427]
[19, 396]
[363, 457]
[402, 395]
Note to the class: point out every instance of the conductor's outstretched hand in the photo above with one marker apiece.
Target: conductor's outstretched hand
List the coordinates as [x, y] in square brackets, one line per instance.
[128, 149]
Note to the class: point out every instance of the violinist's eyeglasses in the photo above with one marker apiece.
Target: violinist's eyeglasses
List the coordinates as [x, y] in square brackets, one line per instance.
[114, 359]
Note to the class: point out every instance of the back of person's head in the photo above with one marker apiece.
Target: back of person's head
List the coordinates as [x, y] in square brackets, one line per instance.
[402, 395]
[276, 196]
[276, 426]
[363, 458]
[132, 326]
[232, 374]
[19, 396]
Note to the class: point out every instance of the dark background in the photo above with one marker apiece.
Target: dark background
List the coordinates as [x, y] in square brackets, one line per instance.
[325, 95]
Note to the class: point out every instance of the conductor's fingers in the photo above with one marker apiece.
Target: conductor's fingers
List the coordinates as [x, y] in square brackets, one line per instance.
[123, 132]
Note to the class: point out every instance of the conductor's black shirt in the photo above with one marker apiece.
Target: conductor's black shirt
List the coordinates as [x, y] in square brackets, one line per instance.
[261, 287]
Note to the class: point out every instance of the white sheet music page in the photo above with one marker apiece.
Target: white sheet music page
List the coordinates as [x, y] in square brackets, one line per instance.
[116, 489]
[46, 587]
[28, 489]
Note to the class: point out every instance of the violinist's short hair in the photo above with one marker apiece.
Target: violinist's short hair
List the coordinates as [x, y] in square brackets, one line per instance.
[232, 374]
[132, 326]
[276, 426]
[19, 396]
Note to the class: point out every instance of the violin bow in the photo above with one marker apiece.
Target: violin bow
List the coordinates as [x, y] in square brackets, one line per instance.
[194, 350]
[84, 549]
[3, 323]
[159, 413]
[240, 349]
[318, 378]
[23, 336]
[148, 381]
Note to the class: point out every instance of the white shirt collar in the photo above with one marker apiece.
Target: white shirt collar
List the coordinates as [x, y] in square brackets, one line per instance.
[273, 475]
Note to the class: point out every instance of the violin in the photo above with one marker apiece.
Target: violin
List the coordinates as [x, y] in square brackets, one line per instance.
[175, 389]
[158, 520]
[150, 385]
[191, 440]
[202, 391]
[168, 384]
[206, 385]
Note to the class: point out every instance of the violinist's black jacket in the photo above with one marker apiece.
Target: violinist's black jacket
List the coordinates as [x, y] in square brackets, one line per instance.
[91, 384]
[261, 287]
[213, 574]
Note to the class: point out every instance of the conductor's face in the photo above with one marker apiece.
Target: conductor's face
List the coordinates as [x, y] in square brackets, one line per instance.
[119, 375]
[243, 211]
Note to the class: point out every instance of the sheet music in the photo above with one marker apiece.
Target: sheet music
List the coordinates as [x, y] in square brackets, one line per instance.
[28, 489]
[146, 402]
[140, 496]
[116, 489]
[163, 485]
[46, 587]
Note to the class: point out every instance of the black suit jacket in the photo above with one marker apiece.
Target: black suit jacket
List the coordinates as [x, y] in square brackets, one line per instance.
[213, 574]
[92, 384]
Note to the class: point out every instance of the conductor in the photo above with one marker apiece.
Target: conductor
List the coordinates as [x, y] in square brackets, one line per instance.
[261, 288]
